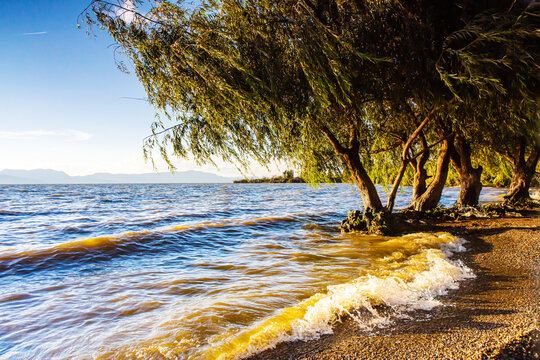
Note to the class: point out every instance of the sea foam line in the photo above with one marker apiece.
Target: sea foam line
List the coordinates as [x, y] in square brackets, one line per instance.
[411, 278]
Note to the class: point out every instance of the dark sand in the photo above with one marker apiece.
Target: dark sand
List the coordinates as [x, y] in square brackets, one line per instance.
[491, 317]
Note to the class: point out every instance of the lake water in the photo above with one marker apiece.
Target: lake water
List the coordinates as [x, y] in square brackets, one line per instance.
[214, 271]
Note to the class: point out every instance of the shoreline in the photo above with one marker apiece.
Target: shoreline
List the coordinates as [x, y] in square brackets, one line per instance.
[494, 316]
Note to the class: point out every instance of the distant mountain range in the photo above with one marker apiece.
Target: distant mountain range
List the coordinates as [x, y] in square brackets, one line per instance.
[46, 176]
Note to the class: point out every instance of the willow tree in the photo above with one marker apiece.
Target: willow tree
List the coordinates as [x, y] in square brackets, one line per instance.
[292, 80]
[405, 141]
[492, 67]
[257, 80]
[513, 132]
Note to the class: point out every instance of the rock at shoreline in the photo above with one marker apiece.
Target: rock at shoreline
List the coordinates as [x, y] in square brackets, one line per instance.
[381, 223]
[384, 223]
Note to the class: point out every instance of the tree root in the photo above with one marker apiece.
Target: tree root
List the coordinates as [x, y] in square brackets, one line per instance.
[389, 224]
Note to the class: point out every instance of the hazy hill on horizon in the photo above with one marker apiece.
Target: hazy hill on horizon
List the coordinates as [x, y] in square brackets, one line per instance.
[48, 176]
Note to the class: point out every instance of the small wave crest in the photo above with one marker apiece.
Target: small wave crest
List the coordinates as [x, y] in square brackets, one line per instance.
[11, 213]
[416, 272]
[122, 243]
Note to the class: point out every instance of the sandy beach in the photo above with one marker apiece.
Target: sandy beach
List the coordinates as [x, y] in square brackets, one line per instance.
[494, 316]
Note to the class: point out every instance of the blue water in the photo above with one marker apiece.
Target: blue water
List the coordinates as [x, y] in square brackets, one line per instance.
[161, 260]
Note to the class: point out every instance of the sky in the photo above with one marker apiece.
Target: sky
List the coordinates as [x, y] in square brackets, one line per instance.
[64, 105]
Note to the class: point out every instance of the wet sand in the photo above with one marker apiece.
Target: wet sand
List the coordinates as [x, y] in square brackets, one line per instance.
[494, 316]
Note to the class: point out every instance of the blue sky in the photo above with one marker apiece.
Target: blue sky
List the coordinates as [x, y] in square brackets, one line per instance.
[62, 99]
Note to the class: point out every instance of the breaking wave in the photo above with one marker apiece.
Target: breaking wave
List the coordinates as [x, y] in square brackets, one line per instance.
[410, 278]
[415, 270]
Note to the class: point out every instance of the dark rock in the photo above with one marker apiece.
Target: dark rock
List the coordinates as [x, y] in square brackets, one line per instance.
[355, 221]
[381, 223]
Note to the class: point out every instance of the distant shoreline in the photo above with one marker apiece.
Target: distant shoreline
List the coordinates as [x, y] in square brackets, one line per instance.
[275, 180]
[491, 317]
[53, 177]
[532, 191]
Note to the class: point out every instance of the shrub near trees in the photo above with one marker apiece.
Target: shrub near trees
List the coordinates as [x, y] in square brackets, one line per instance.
[327, 86]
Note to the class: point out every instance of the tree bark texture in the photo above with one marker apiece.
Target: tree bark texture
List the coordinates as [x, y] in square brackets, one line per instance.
[431, 197]
[365, 185]
[470, 177]
[524, 171]
[420, 172]
[350, 155]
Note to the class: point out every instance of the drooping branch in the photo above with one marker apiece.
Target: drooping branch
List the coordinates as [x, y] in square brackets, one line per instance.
[162, 131]
[117, 6]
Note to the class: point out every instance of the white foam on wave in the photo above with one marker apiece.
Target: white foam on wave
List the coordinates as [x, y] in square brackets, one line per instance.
[417, 271]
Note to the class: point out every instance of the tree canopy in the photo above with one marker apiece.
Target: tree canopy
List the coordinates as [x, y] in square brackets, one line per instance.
[326, 86]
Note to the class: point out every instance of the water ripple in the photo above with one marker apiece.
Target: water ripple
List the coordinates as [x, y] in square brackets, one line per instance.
[151, 271]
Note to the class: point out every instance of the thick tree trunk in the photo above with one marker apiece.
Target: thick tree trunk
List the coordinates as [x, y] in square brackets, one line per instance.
[430, 198]
[368, 192]
[419, 182]
[519, 187]
[351, 157]
[470, 188]
[470, 177]
[524, 170]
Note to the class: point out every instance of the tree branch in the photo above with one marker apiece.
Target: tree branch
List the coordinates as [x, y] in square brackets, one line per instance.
[354, 144]
[534, 156]
[110, 4]
[428, 118]
[161, 132]
[414, 156]
[335, 142]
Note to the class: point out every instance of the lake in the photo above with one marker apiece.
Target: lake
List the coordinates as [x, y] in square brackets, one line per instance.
[201, 271]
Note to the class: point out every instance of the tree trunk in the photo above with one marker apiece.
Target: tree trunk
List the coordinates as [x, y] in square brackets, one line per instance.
[350, 154]
[419, 182]
[471, 186]
[405, 158]
[430, 198]
[470, 177]
[395, 187]
[524, 170]
[368, 192]
[519, 187]
[420, 172]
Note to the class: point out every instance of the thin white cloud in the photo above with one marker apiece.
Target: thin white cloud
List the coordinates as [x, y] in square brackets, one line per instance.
[79, 135]
[34, 33]
[33, 134]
